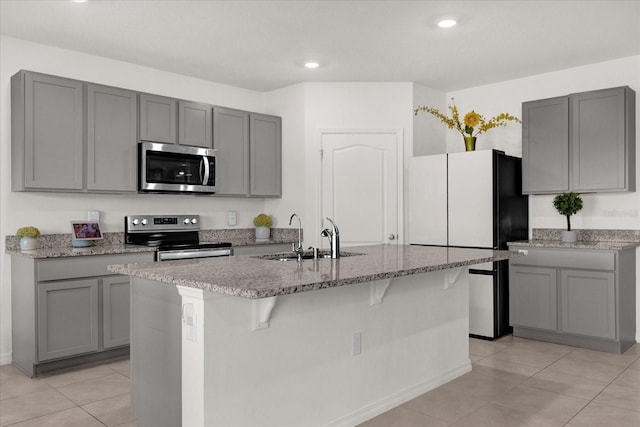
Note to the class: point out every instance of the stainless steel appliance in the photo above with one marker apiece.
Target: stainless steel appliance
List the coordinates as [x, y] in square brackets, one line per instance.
[472, 199]
[175, 236]
[176, 168]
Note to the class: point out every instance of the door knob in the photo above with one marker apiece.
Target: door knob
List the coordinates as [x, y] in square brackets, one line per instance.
[392, 236]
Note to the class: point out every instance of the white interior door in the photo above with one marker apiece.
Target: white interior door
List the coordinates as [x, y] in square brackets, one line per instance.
[360, 185]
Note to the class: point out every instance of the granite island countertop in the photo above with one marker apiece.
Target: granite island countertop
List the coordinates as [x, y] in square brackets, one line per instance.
[594, 245]
[257, 277]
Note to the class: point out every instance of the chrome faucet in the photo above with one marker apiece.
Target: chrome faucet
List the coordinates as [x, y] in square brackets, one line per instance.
[297, 249]
[334, 238]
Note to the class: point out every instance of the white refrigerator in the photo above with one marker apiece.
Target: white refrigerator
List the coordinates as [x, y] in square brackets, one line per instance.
[471, 199]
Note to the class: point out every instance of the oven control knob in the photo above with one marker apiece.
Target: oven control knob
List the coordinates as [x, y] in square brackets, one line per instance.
[194, 220]
[135, 221]
[186, 221]
[144, 221]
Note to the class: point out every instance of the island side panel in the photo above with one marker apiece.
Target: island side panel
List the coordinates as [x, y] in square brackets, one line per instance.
[301, 371]
[156, 353]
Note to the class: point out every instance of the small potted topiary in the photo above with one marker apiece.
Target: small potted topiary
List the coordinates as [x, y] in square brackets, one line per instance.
[28, 238]
[568, 204]
[263, 223]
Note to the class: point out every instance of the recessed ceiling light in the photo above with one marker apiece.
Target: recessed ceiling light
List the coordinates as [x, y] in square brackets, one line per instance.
[311, 64]
[79, 1]
[447, 23]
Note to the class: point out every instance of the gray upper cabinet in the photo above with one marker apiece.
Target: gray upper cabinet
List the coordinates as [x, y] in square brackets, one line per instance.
[194, 124]
[158, 119]
[231, 139]
[583, 142]
[46, 133]
[603, 140]
[111, 139]
[545, 146]
[265, 143]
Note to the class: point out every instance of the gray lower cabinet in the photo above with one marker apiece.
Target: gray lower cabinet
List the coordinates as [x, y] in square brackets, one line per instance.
[249, 153]
[194, 124]
[588, 303]
[115, 311]
[46, 133]
[112, 159]
[67, 318]
[158, 119]
[583, 142]
[533, 297]
[578, 297]
[69, 311]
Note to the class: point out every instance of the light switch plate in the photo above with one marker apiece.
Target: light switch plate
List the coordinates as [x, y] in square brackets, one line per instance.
[232, 218]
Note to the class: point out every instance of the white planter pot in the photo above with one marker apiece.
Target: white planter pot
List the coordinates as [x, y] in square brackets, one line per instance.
[569, 236]
[263, 233]
[28, 243]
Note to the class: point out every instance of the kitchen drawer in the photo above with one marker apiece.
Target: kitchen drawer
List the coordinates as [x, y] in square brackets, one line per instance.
[565, 258]
[85, 266]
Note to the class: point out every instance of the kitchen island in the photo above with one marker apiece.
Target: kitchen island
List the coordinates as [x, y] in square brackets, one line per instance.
[252, 341]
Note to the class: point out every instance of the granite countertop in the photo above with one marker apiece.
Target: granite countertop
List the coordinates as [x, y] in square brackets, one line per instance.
[255, 277]
[70, 251]
[595, 245]
[59, 245]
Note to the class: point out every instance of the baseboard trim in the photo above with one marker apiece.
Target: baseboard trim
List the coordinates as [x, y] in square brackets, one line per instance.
[400, 397]
[5, 358]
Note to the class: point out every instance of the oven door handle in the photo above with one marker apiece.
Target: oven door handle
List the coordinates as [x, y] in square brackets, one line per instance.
[204, 161]
[187, 254]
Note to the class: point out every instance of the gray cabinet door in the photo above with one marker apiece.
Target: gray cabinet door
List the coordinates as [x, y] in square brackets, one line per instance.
[231, 139]
[588, 305]
[111, 139]
[67, 318]
[545, 146]
[599, 144]
[115, 311]
[533, 297]
[194, 124]
[51, 157]
[158, 118]
[265, 147]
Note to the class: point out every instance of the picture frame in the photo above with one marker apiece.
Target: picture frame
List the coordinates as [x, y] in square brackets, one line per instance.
[86, 230]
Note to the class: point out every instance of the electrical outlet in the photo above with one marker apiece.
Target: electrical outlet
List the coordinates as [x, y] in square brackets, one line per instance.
[93, 215]
[356, 344]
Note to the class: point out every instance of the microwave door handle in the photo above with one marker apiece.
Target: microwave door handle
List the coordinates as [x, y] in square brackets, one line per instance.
[205, 161]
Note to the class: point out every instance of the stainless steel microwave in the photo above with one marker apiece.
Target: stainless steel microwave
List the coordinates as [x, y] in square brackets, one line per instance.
[167, 168]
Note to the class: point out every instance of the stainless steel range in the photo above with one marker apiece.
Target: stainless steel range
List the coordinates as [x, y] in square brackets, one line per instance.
[175, 236]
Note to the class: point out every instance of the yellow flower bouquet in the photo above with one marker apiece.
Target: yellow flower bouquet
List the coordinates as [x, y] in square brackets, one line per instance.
[472, 125]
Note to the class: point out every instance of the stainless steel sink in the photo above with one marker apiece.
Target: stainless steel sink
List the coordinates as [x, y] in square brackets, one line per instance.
[290, 256]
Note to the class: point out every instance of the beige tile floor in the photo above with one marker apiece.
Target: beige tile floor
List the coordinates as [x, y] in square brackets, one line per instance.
[514, 382]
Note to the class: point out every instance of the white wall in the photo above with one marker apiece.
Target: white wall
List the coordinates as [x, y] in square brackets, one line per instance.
[429, 136]
[601, 211]
[51, 212]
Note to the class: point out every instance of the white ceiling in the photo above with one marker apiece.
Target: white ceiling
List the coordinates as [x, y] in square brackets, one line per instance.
[262, 45]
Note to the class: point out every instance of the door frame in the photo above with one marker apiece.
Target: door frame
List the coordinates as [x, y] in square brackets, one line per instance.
[399, 148]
